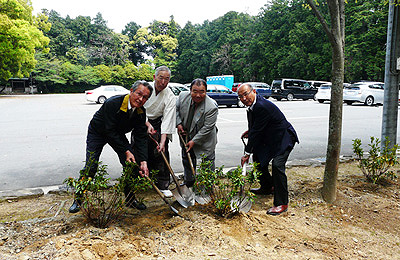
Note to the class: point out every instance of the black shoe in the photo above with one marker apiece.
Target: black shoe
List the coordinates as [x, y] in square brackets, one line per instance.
[136, 204]
[75, 207]
[263, 191]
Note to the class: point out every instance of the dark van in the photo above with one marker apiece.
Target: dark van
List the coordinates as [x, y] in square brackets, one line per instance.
[292, 88]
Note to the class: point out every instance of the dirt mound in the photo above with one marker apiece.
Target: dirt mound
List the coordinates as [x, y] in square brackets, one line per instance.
[361, 224]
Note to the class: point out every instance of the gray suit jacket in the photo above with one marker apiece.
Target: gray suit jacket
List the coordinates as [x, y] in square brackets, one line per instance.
[203, 129]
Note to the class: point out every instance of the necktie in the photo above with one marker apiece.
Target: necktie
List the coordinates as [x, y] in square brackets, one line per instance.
[130, 113]
[190, 117]
[250, 118]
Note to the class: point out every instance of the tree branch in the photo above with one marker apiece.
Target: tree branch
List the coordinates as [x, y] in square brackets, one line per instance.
[321, 19]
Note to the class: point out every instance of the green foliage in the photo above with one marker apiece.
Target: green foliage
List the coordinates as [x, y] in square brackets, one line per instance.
[101, 202]
[379, 163]
[20, 36]
[224, 188]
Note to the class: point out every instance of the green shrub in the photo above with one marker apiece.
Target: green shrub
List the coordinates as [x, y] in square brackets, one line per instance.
[101, 202]
[227, 192]
[379, 163]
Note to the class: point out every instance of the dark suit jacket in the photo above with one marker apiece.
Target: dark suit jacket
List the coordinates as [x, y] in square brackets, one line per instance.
[270, 134]
[112, 122]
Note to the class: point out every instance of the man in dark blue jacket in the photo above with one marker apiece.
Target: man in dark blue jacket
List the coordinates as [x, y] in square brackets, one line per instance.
[270, 137]
[116, 117]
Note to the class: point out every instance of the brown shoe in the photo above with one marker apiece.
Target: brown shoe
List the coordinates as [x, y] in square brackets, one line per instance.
[276, 210]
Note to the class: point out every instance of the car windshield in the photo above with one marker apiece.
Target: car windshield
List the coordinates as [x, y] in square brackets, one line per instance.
[276, 83]
[353, 87]
[325, 87]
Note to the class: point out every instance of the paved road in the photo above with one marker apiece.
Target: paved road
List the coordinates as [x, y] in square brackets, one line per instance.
[42, 138]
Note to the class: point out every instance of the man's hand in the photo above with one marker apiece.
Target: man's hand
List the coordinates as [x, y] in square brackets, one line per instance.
[244, 159]
[180, 129]
[189, 145]
[150, 129]
[245, 134]
[161, 145]
[144, 171]
[130, 157]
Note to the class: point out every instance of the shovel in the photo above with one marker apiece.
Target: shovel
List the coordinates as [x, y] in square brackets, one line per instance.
[182, 193]
[202, 198]
[241, 202]
[162, 196]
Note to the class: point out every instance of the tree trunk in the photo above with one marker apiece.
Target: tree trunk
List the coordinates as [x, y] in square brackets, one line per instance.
[336, 37]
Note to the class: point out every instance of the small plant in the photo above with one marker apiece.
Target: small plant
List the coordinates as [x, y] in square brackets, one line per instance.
[228, 192]
[101, 202]
[379, 163]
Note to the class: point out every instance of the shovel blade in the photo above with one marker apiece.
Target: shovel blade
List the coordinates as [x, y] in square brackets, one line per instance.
[242, 204]
[184, 200]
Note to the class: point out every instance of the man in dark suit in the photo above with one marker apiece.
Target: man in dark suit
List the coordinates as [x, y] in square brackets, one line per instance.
[196, 118]
[270, 137]
[116, 117]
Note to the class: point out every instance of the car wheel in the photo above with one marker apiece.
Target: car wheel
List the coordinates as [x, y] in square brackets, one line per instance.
[290, 97]
[369, 101]
[279, 99]
[321, 101]
[228, 105]
[101, 99]
[349, 102]
[240, 104]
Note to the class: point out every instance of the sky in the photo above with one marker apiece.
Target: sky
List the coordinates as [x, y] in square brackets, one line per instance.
[118, 13]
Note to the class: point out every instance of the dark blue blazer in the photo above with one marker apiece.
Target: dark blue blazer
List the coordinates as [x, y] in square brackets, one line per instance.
[270, 134]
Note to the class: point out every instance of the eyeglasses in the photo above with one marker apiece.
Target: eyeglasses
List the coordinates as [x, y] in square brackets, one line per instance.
[139, 94]
[245, 94]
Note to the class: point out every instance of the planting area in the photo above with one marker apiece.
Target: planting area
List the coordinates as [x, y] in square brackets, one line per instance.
[362, 224]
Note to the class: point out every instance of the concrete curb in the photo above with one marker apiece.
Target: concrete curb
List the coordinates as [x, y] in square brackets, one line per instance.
[63, 189]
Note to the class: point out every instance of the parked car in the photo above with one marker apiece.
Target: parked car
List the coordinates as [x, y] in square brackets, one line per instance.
[291, 89]
[261, 88]
[223, 95]
[102, 93]
[369, 93]
[324, 93]
[177, 88]
[235, 86]
[317, 84]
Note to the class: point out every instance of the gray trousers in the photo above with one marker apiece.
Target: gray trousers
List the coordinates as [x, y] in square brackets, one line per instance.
[187, 170]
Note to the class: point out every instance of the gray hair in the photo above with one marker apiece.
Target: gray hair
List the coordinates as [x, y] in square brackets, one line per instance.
[198, 82]
[245, 84]
[162, 68]
[144, 83]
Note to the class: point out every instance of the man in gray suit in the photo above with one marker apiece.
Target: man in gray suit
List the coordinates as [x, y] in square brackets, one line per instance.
[196, 117]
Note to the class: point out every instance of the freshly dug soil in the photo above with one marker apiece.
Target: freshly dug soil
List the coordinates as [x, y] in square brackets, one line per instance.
[362, 224]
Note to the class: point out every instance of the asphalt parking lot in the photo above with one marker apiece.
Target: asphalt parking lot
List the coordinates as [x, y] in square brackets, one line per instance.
[43, 136]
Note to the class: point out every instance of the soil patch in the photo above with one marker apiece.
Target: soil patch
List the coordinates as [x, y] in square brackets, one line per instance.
[361, 224]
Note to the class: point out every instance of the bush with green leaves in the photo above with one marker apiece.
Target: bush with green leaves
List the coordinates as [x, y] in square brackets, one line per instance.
[101, 202]
[228, 192]
[380, 161]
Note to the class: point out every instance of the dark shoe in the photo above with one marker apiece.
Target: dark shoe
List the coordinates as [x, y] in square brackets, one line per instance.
[136, 204]
[75, 207]
[276, 210]
[263, 191]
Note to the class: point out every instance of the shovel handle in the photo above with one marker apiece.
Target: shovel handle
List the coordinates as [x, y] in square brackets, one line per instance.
[169, 166]
[188, 154]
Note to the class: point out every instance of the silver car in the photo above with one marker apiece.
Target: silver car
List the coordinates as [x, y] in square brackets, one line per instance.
[324, 93]
[102, 93]
[369, 93]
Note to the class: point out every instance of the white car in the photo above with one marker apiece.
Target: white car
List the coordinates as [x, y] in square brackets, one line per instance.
[102, 93]
[324, 93]
[369, 93]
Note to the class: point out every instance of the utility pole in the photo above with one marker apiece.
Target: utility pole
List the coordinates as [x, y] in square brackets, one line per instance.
[392, 68]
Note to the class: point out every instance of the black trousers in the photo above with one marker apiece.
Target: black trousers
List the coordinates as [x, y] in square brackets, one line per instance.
[278, 179]
[155, 159]
[94, 146]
